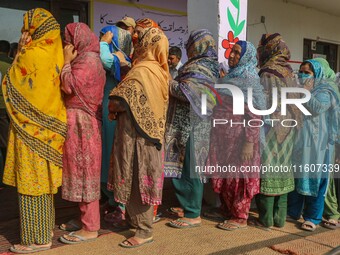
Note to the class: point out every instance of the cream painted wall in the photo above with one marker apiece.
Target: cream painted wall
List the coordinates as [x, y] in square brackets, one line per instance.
[293, 22]
[202, 14]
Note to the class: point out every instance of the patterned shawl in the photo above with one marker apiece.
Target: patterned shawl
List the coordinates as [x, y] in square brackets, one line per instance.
[31, 88]
[86, 83]
[147, 23]
[273, 55]
[276, 72]
[322, 84]
[195, 77]
[145, 90]
[244, 76]
[198, 75]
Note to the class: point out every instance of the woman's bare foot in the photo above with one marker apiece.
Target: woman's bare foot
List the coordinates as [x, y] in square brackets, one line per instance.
[177, 210]
[233, 224]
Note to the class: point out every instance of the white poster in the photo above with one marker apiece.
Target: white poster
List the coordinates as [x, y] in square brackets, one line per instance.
[233, 26]
[175, 26]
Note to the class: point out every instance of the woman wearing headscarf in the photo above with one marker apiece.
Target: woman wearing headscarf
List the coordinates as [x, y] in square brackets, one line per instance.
[331, 211]
[146, 23]
[237, 145]
[275, 72]
[139, 103]
[83, 87]
[115, 47]
[38, 128]
[184, 144]
[315, 145]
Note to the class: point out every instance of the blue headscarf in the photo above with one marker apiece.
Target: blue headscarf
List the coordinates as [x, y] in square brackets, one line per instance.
[243, 45]
[122, 42]
[244, 76]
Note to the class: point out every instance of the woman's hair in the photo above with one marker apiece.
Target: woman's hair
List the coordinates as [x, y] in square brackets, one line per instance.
[309, 64]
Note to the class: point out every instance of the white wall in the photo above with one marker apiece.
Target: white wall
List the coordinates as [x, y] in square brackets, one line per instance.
[202, 14]
[293, 22]
[11, 22]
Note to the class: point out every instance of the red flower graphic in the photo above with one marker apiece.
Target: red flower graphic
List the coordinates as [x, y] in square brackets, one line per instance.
[23, 71]
[229, 43]
[49, 41]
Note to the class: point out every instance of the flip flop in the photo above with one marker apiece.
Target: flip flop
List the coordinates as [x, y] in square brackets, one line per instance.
[307, 224]
[189, 224]
[33, 247]
[331, 224]
[132, 243]
[72, 223]
[233, 224]
[81, 239]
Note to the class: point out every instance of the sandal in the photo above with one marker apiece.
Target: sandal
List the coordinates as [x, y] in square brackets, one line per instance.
[230, 226]
[32, 248]
[82, 239]
[70, 226]
[308, 226]
[178, 224]
[133, 243]
[331, 224]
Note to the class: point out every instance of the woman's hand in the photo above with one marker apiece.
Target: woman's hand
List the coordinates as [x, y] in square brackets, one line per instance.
[114, 108]
[113, 116]
[24, 40]
[247, 151]
[69, 54]
[107, 37]
[121, 57]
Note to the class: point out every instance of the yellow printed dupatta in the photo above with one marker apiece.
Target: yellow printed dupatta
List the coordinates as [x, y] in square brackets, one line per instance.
[31, 88]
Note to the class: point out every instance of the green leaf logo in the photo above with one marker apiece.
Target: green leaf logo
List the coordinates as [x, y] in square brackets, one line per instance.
[235, 25]
[231, 20]
[239, 28]
[236, 3]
